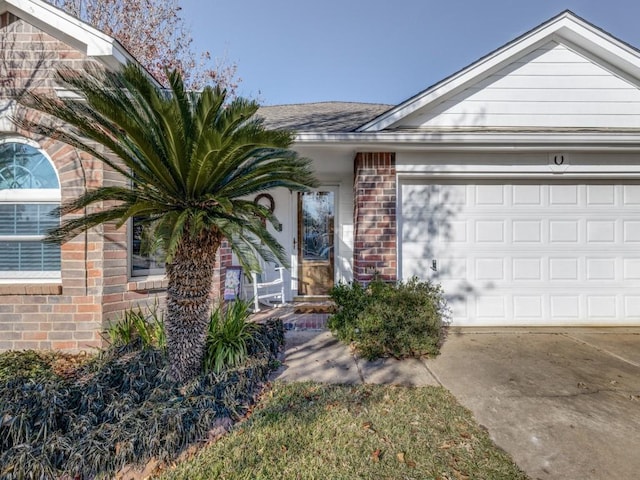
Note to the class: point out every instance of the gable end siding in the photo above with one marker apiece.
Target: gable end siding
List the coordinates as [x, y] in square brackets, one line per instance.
[554, 86]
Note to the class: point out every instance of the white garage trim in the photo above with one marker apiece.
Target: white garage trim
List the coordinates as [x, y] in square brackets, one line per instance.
[525, 251]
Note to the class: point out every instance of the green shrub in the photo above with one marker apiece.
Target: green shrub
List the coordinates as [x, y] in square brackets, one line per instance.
[28, 364]
[136, 326]
[229, 336]
[228, 339]
[400, 320]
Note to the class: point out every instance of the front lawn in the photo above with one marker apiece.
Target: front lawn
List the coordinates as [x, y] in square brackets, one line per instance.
[312, 431]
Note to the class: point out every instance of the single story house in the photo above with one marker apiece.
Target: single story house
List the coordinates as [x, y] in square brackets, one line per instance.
[514, 182]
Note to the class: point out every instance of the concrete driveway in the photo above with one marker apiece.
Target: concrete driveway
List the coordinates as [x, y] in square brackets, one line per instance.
[564, 404]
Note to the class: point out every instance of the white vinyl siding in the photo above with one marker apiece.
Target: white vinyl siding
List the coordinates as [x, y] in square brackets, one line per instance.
[518, 252]
[551, 87]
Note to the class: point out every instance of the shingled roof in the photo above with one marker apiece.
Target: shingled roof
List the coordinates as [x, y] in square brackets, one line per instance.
[321, 117]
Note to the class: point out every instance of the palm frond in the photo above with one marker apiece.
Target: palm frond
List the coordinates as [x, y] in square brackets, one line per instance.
[191, 159]
[73, 227]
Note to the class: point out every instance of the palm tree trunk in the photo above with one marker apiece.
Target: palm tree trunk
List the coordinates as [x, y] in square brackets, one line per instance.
[190, 276]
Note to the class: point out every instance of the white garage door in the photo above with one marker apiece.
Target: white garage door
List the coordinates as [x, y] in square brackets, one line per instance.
[526, 253]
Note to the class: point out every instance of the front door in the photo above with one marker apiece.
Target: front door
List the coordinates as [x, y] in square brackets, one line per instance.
[316, 218]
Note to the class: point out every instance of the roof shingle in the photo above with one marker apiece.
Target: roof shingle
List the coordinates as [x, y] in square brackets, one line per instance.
[321, 117]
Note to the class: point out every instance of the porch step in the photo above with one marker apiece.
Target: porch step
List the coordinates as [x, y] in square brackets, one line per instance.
[293, 320]
[313, 304]
[311, 298]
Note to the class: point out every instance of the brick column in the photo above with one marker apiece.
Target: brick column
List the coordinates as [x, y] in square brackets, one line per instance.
[375, 235]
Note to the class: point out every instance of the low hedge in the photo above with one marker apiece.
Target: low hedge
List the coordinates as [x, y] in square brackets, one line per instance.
[404, 319]
[119, 409]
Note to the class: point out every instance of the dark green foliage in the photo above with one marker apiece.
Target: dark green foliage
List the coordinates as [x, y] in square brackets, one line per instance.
[138, 326]
[29, 365]
[228, 337]
[400, 320]
[120, 409]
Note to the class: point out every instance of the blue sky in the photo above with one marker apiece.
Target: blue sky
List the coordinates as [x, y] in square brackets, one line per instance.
[378, 51]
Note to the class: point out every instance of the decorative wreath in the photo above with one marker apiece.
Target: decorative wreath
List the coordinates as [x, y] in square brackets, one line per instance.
[263, 198]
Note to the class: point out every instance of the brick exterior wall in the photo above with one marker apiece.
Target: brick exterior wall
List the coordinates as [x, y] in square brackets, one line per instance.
[375, 235]
[95, 286]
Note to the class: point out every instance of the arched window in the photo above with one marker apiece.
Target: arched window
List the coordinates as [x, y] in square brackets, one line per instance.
[29, 192]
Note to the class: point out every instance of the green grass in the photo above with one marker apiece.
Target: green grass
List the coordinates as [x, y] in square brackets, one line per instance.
[310, 431]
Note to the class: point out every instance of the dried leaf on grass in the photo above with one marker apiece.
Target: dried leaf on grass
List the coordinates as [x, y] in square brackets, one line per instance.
[375, 455]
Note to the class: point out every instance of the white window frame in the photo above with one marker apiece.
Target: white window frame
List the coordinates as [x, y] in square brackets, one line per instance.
[51, 196]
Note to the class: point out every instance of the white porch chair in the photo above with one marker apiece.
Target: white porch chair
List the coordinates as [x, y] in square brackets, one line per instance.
[268, 287]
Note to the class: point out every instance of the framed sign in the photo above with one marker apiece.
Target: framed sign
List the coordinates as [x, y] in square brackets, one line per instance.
[232, 283]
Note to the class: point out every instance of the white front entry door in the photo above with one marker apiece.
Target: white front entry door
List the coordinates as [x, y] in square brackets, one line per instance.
[526, 252]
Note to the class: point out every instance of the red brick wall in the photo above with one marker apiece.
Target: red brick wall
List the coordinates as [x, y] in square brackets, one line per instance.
[375, 226]
[95, 285]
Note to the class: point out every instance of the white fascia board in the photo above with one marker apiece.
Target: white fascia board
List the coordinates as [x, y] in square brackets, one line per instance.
[626, 174]
[573, 171]
[603, 46]
[465, 141]
[565, 26]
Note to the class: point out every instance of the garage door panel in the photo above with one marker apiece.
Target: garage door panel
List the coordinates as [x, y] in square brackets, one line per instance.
[600, 195]
[564, 231]
[527, 307]
[527, 195]
[434, 195]
[601, 306]
[565, 307]
[601, 231]
[491, 307]
[563, 269]
[631, 195]
[526, 253]
[490, 231]
[632, 306]
[631, 268]
[565, 195]
[490, 269]
[490, 195]
[527, 269]
[527, 231]
[631, 229]
[601, 269]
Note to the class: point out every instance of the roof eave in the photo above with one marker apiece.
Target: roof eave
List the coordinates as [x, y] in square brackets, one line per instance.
[459, 141]
[72, 31]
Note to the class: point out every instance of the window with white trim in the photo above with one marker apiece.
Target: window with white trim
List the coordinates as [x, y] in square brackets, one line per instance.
[29, 192]
[146, 258]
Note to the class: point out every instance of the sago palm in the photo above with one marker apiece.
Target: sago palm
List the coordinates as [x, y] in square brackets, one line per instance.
[192, 162]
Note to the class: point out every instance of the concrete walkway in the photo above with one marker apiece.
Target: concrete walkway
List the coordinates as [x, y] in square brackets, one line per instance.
[565, 404]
